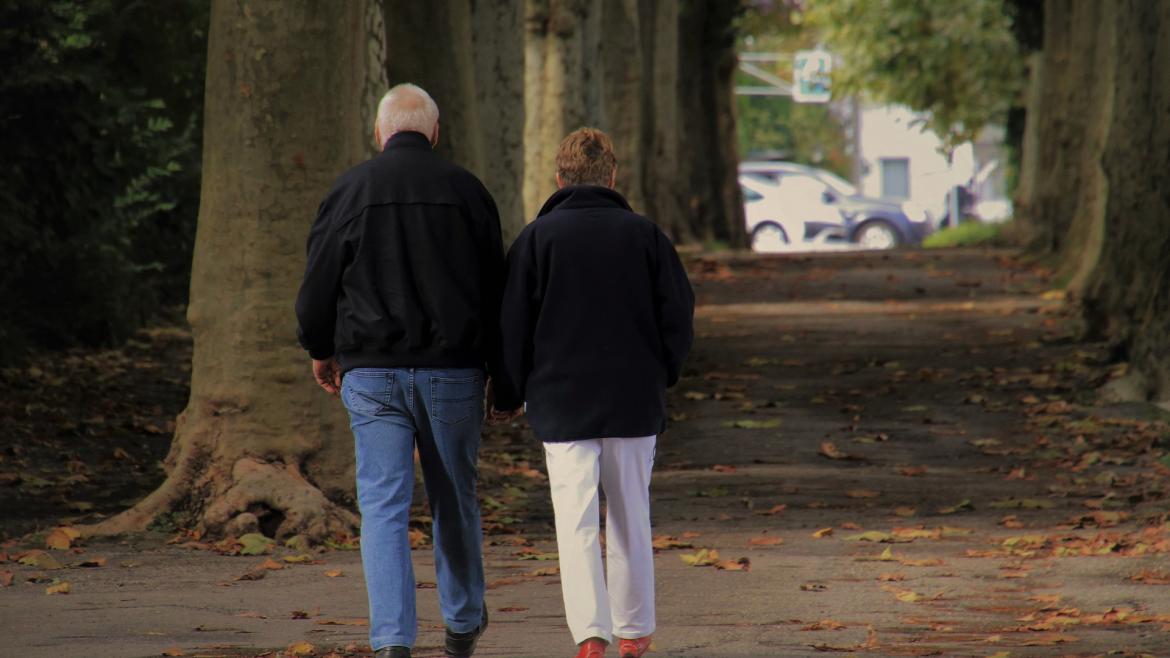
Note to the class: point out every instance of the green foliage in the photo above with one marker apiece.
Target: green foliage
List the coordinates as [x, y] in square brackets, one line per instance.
[813, 134]
[101, 101]
[956, 60]
[968, 234]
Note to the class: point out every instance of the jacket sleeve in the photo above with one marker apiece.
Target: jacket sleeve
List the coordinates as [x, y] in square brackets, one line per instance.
[316, 305]
[675, 306]
[517, 323]
[493, 271]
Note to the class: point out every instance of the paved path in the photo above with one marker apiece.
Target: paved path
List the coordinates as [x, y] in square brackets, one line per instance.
[892, 454]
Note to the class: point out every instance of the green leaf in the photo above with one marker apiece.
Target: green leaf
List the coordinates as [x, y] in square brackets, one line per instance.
[255, 543]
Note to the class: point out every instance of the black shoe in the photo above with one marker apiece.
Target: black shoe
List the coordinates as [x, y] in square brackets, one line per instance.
[462, 645]
[392, 652]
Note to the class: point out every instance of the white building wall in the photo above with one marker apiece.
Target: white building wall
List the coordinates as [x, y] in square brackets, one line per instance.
[891, 131]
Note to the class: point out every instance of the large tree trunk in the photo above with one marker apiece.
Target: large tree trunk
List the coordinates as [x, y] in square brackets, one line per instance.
[708, 157]
[1098, 200]
[467, 55]
[290, 94]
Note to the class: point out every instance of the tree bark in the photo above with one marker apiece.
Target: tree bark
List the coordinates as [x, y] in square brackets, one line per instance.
[1098, 201]
[708, 157]
[290, 95]
[467, 56]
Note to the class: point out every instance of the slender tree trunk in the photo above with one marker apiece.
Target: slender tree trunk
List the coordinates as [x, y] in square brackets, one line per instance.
[290, 93]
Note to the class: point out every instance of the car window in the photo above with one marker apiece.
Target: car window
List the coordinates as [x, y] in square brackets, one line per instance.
[750, 195]
[804, 185]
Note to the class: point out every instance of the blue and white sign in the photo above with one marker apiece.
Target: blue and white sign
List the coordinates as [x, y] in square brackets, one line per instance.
[810, 73]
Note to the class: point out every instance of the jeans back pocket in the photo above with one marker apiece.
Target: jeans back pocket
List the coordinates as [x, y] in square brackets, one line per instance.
[456, 399]
[367, 390]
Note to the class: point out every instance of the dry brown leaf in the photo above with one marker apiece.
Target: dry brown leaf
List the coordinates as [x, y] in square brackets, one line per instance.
[334, 573]
[742, 564]
[667, 542]
[912, 471]
[512, 608]
[62, 587]
[822, 533]
[813, 587]
[828, 449]
[300, 649]
[774, 510]
[891, 577]
[271, 565]
[905, 511]
[862, 493]
[1152, 577]
[62, 538]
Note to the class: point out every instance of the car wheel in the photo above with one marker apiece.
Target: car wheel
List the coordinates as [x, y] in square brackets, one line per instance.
[769, 238]
[876, 234]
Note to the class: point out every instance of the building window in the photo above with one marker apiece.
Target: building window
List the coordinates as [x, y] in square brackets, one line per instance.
[895, 178]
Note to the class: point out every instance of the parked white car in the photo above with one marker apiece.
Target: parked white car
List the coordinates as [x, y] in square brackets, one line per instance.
[792, 204]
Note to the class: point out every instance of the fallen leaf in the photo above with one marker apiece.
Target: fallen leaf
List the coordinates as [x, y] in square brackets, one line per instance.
[251, 613]
[39, 559]
[1149, 577]
[872, 535]
[862, 493]
[891, 577]
[828, 449]
[58, 588]
[271, 565]
[344, 622]
[765, 541]
[822, 533]
[173, 651]
[298, 614]
[962, 506]
[512, 608]
[300, 649]
[667, 542]
[298, 559]
[6, 578]
[701, 558]
[905, 511]
[774, 510]
[257, 573]
[723, 468]
[418, 538]
[61, 539]
[255, 543]
[813, 587]
[547, 571]
[912, 471]
[334, 573]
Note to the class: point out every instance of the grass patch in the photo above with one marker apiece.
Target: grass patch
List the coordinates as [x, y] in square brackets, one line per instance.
[968, 234]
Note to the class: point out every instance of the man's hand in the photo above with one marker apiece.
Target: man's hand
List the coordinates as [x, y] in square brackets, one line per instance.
[327, 372]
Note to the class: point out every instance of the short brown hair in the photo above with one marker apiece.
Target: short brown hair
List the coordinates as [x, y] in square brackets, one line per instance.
[585, 157]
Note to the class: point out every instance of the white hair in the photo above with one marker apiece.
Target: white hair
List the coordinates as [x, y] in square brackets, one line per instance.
[407, 107]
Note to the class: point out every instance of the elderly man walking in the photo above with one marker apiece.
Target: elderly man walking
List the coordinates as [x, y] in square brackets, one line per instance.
[399, 311]
[597, 321]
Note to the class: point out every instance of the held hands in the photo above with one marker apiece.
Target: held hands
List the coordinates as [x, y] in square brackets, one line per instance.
[493, 415]
[327, 372]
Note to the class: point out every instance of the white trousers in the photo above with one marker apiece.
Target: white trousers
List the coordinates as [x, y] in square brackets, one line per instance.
[621, 605]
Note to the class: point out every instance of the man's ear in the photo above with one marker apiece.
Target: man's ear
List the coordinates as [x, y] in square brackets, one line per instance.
[613, 178]
[435, 135]
[378, 136]
[560, 183]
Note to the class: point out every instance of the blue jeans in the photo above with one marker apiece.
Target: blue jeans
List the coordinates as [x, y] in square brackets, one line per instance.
[390, 411]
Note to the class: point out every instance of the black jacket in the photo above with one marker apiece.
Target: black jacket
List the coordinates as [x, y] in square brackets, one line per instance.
[405, 266]
[597, 319]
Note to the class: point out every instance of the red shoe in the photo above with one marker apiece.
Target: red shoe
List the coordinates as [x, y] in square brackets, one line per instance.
[594, 647]
[635, 648]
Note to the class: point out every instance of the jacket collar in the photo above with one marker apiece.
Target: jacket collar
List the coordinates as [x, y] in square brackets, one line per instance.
[583, 196]
[407, 139]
